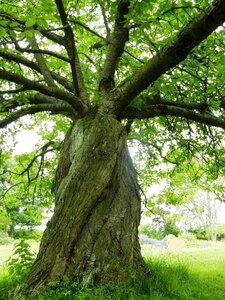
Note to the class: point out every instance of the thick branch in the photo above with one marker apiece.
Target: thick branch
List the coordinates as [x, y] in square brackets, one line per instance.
[173, 53]
[19, 59]
[49, 91]
[70, 46]
[157, 110]
[61, 109]
[25, 62]
[8, 105]
[42, 64]
[53, 37]
[117, 42]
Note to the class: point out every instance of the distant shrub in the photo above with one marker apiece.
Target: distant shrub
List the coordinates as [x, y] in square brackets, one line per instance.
[190, 237]
[200, 234]
[169, 236]
[151, 233]
[4, 239]
[221, 237]
[24, 234]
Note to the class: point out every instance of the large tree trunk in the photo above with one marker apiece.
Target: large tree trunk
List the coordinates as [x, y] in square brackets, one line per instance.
[93, 234]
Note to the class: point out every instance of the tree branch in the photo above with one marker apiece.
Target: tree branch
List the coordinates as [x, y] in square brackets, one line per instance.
[19, 59]
[157, 99]
[62, 109]
[105, 41]
[70, 46]
[44, 150]
[157, 110]
[42, 51]
[153, 145]
[105, 20]
[53, 37]
[117, 42]
[46, 33]
[25, 62]
[172, 54]
[42, 64]
[49, 91]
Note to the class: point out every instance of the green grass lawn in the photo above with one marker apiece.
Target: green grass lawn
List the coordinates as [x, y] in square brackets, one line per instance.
[195, 273]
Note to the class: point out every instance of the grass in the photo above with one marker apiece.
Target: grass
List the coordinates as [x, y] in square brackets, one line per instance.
[188, 274]
[196, 273]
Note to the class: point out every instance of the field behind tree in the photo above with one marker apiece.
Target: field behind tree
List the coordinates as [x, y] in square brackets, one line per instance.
[193, 273]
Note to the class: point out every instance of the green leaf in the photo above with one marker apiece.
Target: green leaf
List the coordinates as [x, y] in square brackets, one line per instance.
[30, 23]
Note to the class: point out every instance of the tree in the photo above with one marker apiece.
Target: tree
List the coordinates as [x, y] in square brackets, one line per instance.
[25, 192]
[191, 198]
[202, 213]
[108, 67]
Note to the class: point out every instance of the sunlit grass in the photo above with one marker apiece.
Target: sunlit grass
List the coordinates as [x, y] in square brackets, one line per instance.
[204, 267]
[197, 273]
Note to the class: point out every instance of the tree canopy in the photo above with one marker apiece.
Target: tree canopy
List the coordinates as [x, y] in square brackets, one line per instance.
[159, 66]
[58, 56]
[151, 72]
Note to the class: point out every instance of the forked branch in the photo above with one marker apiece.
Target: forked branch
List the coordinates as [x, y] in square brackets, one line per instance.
[172, 54]
[49, 91]
[117, 42]
[78, 81]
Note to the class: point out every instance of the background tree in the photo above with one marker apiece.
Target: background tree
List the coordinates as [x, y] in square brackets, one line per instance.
[190, 198]
[202, 212]
[26, 188]
[111, 67]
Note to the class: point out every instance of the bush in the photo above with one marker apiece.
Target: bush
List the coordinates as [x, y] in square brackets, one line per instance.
[151, 233]
[221, 237]
[200, 234]
[24, 234]
[4, 239]
[190, 237]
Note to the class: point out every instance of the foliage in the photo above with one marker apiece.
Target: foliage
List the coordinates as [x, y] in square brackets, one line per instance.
[150, 232]
[21, 261]
[25, 193]
[155, 66]
[200, 234]
[25, 234]
[190, 237]
[166, 138]
[4, 239]
[189, 198]
[4, 220]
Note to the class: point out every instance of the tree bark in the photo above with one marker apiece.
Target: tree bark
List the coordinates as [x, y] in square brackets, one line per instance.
[93, 234]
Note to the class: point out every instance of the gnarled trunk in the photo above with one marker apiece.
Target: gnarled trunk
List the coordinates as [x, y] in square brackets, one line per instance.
[93, 234]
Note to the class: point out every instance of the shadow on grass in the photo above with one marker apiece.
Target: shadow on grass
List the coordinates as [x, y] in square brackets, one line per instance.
[167, 280]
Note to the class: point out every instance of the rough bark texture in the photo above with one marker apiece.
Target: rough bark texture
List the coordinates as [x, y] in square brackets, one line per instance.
[93, 234]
